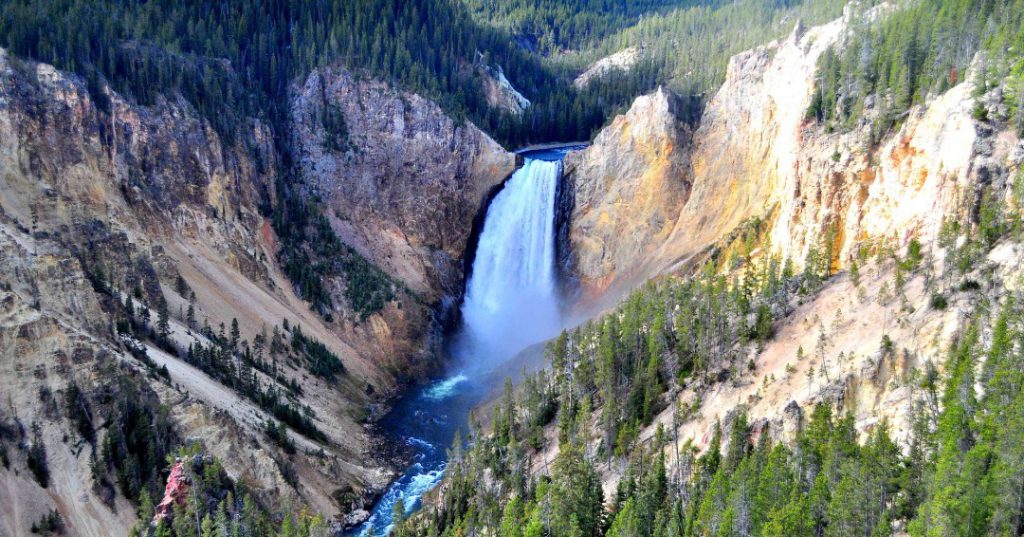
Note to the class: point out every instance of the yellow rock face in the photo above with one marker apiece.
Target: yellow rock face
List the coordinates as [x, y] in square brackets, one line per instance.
[651, 194]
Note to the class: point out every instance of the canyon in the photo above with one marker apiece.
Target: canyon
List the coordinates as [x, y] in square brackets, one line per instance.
[104, 200]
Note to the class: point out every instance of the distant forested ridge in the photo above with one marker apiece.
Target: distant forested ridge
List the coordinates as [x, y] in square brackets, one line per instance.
[551, 26]
[686, 44]
[234, 60]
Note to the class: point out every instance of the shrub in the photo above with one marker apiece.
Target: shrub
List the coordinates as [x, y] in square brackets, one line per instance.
[969, 285]
[979, 112]
[938, 301]
[887, 344]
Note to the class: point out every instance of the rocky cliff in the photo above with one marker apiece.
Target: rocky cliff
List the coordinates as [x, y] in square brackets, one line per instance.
[678, 197]
[406, 183]
[623, 60]
[110, 209]
[499, 91]
[754, 155]
[628, 188]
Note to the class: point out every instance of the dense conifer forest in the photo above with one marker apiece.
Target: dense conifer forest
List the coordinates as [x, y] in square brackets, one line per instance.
[684, 44]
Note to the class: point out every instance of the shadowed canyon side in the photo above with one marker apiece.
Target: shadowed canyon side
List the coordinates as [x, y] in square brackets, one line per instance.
[402, 183]
[401, 179]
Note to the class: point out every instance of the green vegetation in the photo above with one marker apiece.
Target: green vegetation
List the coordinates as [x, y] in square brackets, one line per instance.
[919, 50]
[367, 288]
[552, 26]
[278, 433]
[686, 43]
[335, 129]
[226, 357]
[322, 362]
[78, 412]
[216, 505]
[311, 253]
[236, 368]
[608, 380]
[961, 473]
[50, 524]
[138, 437]
[223, 355]
[37, 462]
[143, 48]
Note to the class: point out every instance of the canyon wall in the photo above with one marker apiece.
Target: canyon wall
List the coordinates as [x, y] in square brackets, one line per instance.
[104, 200]
[628, 188]
[672, 193]
[407, 184]
[660, 199]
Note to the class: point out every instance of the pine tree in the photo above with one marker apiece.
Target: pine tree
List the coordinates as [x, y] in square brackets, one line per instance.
[163, 320]
[235, 334]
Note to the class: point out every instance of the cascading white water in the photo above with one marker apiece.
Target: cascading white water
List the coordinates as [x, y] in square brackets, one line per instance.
[511, 296]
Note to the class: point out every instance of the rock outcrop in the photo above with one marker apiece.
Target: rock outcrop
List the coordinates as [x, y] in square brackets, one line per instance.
[175, 493]
[623, 60]
[500, 93]
[405, 186]
[629, 186]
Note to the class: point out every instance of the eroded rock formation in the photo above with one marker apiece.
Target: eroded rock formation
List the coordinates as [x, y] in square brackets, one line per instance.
[670, 194]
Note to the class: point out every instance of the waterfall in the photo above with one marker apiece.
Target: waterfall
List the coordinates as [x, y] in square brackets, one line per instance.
[511, 297]
[511, 302]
